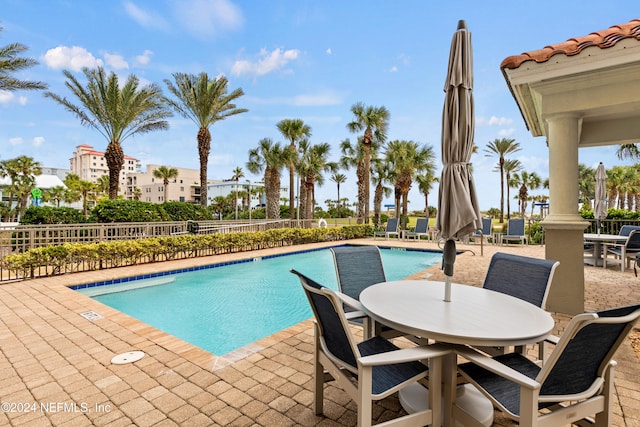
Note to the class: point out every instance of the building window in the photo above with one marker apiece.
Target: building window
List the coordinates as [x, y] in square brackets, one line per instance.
[182, 198]
[182, 189]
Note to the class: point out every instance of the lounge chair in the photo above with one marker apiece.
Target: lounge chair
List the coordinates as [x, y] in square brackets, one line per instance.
[576, 381]
[422, 229]
[622, 252]
[372, 369]
[515, 232]
[390, 230]
[357, 268]
[486, 232]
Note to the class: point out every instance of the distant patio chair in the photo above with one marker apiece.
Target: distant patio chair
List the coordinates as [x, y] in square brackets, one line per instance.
[515, 232]
[422, 229]
[622, 252]
[486, 232]
[390, 230]
[573, 385]
[369, 370]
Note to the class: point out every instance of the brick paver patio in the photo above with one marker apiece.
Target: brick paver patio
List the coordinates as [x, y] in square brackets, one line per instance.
[55, 365]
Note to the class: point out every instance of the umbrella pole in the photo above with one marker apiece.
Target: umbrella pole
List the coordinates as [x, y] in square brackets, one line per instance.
[448, 259]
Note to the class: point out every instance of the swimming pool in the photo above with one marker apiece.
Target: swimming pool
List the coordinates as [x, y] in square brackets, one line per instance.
[224, 308]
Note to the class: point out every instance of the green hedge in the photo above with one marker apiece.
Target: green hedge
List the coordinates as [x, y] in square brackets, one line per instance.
[74, 257]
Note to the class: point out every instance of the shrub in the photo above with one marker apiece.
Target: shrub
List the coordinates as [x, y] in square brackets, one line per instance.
[51, 215]
[127, 211]
[182, 211]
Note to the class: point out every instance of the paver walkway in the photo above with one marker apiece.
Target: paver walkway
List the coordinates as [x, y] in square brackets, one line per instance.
[55, 364]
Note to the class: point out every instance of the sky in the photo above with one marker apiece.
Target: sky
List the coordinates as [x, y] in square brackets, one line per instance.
[311, 60]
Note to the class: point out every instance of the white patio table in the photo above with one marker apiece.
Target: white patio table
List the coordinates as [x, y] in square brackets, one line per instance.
[474, 316]
[597, 240]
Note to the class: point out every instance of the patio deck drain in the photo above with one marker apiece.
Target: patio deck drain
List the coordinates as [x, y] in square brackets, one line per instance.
[91, 315]
[128, 357]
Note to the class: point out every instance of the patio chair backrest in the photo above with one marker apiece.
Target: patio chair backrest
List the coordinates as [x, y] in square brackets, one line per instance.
[633, 242]
[487, 226]
[422, 225]
[392, 224]
[585, 350]
[625, 230]
[515, 227]
[331, 321]
[526, 278]
[357, 268]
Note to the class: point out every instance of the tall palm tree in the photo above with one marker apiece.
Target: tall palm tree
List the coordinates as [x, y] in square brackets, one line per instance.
[425, 185]
[165, 173]
[615, 181]
[54, 194]
[628, 151]
[527, 181]
[10, 63]
[586, 184]
[115, 112]
[269, 158]
[380, 175]
[406, 159]
[510, 166]
[353, 156]
[237, 174]
[338, 178]
[312, 163]
[500, 148]
[294, 130]
[205, 101]
[22, 172]
[81, 190]
[374, 122]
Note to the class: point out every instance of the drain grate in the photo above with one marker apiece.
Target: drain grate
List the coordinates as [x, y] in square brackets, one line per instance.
[129, 357]
[91, 315]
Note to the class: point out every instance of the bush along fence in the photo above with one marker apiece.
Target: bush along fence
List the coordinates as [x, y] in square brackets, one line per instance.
[76, 257]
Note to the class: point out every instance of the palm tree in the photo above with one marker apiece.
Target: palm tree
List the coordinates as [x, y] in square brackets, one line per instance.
[380, 176]
[11, 63]
[586, 184]
[116, 113]
[103, 184]
[80, 190]
[55, 194]
[405, 159]
[165, 173]
[628, 151]
[425, 185]
[269, 158]
[510, 166]
[294, 130]
[353, 156]
[338, 178]
[615, 180]
[137, 193]
[22, 172]
[205, 101]
[527, 181]
[374, 122]
[237, 174]
[313, 161]
[500, 148]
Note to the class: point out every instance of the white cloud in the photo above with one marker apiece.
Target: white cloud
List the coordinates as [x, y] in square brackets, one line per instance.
[6, 97]
[208, 18]
[37, 141]
[302, 100]
[503, 133]
[494, 121]
[144, 58]
[267, 62]
[393, 69]
[328, 51]
[22, 100]
[74, 58]
[145, 18]
[115, 61]
[16, 141]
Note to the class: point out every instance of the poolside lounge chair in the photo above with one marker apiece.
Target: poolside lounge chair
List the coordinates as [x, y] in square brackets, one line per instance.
[486, 232]
[372, 369]
[422, 227]
[390, 230]
[357, 268]
[576, 381]
[622, 252]
[515, 232]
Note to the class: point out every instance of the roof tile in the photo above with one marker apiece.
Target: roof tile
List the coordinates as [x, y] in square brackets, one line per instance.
[603, 39]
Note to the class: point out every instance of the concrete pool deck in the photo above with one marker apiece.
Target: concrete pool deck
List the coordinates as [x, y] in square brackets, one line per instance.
[55, 363]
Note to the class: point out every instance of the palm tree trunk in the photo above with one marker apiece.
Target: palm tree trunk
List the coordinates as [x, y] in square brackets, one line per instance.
[204, 147]
[115, 159]
[361, 192]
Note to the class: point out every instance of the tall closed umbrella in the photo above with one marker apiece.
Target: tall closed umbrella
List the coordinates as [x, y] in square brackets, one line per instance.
[600, 206]
[458, 212]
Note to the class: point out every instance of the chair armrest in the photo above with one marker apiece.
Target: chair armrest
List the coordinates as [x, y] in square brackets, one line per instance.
[496, 367]
[350, 315]
[412, 354]
[351, 302]
[552, 339]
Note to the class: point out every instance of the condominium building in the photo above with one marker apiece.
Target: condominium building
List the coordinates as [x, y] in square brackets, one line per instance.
[90, 165]
[184, 188]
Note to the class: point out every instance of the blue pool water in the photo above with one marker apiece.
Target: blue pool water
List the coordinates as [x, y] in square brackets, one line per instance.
[222, 309]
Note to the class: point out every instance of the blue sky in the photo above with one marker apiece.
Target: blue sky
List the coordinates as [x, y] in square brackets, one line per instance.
[293, 59]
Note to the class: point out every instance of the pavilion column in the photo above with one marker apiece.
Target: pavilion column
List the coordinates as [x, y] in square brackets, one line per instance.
[564, 227]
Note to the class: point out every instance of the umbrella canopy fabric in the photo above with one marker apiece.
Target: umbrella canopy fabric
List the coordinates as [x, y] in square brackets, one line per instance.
[600, 206]
[458, 210]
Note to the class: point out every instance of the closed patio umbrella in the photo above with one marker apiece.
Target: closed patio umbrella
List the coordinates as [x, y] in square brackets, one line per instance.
[458, 212]
[600, 205]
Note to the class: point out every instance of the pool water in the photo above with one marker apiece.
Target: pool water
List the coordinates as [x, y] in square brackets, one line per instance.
[222, 309]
